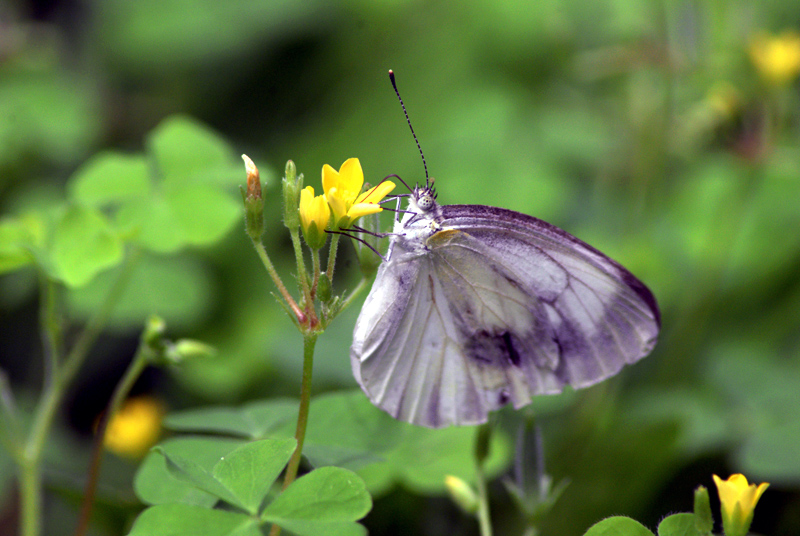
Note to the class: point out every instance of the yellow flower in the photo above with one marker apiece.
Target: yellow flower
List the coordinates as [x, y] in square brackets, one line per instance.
[314, 217]
[777, 59]
[342, 190]
[738, 500]
[135, 428]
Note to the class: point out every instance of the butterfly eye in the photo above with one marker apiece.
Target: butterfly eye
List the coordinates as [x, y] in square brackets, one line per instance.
[425, 201]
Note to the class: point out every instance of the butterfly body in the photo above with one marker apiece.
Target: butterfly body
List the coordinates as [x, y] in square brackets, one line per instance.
[476, 307]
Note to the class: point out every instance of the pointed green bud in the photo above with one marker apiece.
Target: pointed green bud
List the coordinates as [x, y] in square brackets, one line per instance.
[184, 349]
[704, 521]
[153, 333]
[292, 184]
[253, 202]
[462, 494]
[324, 288]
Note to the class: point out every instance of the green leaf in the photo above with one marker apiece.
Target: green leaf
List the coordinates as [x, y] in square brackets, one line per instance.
[329, 495]
[191, 472]
[17, 237]
[110, 177]
[346, 430]
[241, 475]
[83, 246]
[249, 471]
[185, 149]
[254, 420]
[618, 526]
[187, 520]
[772, 454]
[179, 214]
[204, 452]
[205, 213]
[154, 484]
[424, 457]
[678, 525]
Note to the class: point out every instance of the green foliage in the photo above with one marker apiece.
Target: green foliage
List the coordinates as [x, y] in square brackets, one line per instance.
[184, 478]
[674, 525]
[618, 526]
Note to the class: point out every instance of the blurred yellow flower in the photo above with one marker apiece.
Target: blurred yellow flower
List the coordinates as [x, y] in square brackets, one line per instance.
[342, 190]
[135, 428]
[738, 500]
[777, 58]
[314, 217]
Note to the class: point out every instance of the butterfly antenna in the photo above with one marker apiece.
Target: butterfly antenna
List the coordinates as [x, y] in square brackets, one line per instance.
[424, 164]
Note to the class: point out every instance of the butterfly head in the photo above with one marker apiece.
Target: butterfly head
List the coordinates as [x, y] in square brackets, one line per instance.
[424, 198]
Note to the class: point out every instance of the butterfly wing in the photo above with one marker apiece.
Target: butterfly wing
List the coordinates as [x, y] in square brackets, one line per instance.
[501, 307]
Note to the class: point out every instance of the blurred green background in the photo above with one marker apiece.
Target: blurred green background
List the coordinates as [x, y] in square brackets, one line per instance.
[664, 133]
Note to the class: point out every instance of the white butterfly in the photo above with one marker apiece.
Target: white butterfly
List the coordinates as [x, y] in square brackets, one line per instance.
[475, 307]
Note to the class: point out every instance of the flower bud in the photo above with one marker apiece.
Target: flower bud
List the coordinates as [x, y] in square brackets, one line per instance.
[314, 217]
[324, 288]
[153, 333]
[737, 501]
[184, 349]
[253, 202]
[462, 494]
[292, 185]
[703, 520]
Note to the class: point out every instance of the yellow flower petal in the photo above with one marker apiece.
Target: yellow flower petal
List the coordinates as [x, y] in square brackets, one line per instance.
[342, 187]
[362, 209]
[377, 193]
[351, 176]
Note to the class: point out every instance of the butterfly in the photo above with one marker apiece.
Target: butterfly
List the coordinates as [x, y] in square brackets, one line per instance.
[475, 307]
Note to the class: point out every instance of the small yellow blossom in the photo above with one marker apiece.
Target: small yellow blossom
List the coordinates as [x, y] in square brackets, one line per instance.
[777, 58]
[135, 428]
[462, 494]
[342, 190]
[314, 217]
[738, 500]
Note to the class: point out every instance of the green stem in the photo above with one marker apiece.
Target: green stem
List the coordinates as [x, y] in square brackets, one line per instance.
[301, 265]
[262, 253]
[332, 256]
[483, 502]
[86, 339]
[481, 453]
[309, 342]
[55, 384]
[315, 266]
[30, 481]
[140, 361]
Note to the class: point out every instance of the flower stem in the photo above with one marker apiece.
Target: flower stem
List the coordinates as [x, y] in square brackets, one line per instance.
[481, 453]
[309, 341]
[262, 253]
[137, 365]
[30, 481]
[301, 265]
[332, 256]
[316, 269]
[55, 383]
